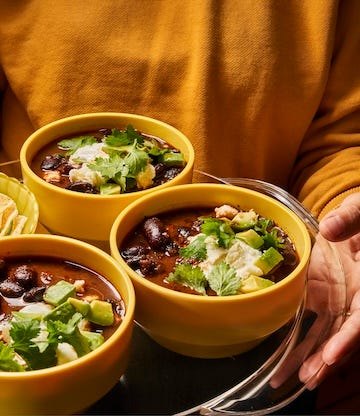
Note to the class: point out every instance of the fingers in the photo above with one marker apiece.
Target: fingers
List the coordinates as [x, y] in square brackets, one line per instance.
[344, 342]
[343, 222]
[313, 371]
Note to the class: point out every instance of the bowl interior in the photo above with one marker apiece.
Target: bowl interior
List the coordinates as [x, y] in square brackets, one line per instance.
[92, 121]
[210, 195]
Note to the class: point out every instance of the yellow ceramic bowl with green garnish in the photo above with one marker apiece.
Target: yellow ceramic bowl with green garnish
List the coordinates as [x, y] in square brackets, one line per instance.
[73, 386]
[89, 216]
[211, 326]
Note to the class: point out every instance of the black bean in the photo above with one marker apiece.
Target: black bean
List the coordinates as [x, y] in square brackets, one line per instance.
[105, 132]
[134, 251]
[11, 289]
[160, 168]
[172, 249]
[171, 173]
[84, 187]
[133, 255]
[155, 233]
[117, 306]
[35, 294]
[149, 266]
[51, 162]
[65, 168]
[25, 276]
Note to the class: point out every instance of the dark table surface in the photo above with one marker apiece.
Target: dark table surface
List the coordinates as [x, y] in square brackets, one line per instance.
[158, 381]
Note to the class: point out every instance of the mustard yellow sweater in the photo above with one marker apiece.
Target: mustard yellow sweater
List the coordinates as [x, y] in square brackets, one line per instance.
[266, 89]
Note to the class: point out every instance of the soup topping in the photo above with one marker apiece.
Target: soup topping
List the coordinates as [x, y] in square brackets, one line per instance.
[111, 161]
[222, 252]
[52, 312]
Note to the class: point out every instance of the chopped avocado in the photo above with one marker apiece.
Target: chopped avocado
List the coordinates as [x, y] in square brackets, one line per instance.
[251, 238]
[244, 220]
[100, 313]
[62, 312]
[80, 305]
[110, 189]
[254, 283]
[80, 343]
[269, 259]
[58, 293]
[172, 159]
[95, 339]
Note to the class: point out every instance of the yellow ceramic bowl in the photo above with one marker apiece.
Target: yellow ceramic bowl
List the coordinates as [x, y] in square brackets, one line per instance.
[213, 327]
[87, 216]
[24, 199]
[71, 387]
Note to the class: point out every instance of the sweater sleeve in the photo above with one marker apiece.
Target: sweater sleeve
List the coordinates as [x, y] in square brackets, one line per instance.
[328, 164]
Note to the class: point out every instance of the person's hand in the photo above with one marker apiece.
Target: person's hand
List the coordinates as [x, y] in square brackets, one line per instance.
[342, 226]
[339, 333]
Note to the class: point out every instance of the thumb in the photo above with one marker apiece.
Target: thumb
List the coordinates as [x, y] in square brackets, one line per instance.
[344, 221]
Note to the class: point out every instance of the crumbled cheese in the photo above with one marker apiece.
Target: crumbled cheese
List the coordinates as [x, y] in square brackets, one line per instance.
[37, 308]
[65, 353]
[84, 174]
[5, 332]
[144, 179]
[214, 253]
[51, 176]
[226, 211]
[88, 153]
[239, 255]
[80, 285]
[242, 258]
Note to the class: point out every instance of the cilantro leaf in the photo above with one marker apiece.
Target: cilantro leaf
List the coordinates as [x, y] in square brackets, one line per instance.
[224, 280]
[269, 233]
[119, 138]
[156, 151]
[37, 359]
[22, 332]
[219, 228]
[73, 144]
[136, 161]
[189, 276]
[68, 332]
[196, 249]
[35, 352]
[121, 169]
[121, 178]
[7, 359]
[108, 167]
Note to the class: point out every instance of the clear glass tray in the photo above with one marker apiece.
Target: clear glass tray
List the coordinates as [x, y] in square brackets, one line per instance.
[276, 382]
